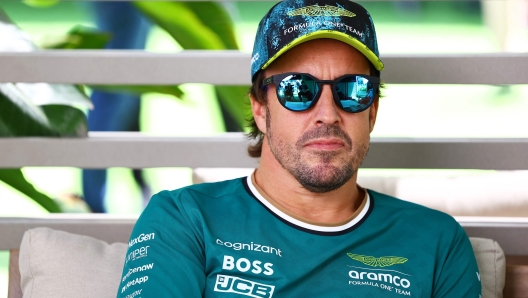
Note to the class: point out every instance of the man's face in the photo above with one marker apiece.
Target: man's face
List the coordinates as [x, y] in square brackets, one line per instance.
[324, 146]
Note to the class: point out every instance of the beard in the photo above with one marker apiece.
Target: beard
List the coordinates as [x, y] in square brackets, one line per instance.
[332, 169]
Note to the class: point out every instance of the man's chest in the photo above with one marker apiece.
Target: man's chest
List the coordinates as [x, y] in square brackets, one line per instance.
[275, 264]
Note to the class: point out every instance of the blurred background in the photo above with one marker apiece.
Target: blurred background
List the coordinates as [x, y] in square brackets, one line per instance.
[410, 27]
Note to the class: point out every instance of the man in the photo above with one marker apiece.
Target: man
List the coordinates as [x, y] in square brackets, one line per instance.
[300, 226]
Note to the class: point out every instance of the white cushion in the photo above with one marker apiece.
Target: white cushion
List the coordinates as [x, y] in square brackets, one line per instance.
[60, 264]
[492, 266]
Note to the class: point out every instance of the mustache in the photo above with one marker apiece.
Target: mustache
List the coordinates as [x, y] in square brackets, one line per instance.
[324, 132]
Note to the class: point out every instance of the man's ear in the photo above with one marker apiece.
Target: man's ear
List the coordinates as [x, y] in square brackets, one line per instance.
[373, 113]
[259, 113]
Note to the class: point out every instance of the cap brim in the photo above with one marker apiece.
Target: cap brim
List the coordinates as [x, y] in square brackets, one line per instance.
[337, 35]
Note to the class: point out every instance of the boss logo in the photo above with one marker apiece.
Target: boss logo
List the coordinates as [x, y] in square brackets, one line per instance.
[232, 284]
[244, 265]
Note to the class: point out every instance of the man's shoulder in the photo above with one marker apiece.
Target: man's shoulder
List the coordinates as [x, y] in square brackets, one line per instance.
[219, 188]
[202, 191]
[390, 204]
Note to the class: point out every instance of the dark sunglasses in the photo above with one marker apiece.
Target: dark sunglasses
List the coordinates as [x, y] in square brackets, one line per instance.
[298, 92]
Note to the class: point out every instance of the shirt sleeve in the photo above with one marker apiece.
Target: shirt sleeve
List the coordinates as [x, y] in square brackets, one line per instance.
[165, 253]
[458, 274]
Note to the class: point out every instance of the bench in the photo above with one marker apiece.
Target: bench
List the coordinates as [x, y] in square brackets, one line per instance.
[509, 259]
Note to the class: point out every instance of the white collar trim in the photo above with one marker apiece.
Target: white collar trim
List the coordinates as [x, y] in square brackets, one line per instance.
[304, 225]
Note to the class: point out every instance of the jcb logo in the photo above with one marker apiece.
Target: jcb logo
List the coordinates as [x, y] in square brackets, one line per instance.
[231, 284]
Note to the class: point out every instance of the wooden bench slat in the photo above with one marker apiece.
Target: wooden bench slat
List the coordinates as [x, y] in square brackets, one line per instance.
[516, 281]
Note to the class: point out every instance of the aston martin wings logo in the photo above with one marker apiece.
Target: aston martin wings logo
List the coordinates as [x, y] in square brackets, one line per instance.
[377, 262]
[321, 11]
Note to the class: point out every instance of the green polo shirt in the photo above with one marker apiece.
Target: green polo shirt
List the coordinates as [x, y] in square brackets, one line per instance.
[226, 240]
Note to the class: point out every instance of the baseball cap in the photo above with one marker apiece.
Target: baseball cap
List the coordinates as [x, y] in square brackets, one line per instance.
[291, 22]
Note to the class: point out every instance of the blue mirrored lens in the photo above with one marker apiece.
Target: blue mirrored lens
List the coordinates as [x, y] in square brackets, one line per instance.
[297, 92]
[355, 93]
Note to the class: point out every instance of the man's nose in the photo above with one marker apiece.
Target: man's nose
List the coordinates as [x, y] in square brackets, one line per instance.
[326, 110]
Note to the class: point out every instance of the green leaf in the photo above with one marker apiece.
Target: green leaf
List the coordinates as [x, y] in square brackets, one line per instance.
[20, 111]
[204, 26]
[79, 37]
[16, 179]
[183, 24]
[20, 117]
[66, 121]
[40, 3]
[214, 16]
[235, 100]
[37, 110]
[64, 94]
[140, 89]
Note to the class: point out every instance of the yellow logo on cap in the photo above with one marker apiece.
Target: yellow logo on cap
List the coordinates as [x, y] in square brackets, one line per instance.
[377, 262]
[321, 11]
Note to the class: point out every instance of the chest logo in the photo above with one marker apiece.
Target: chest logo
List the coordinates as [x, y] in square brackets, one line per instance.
[321, 11]
[239, 286]
[378, 262]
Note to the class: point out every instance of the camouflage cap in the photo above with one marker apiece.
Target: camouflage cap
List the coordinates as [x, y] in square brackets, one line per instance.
[292, 22]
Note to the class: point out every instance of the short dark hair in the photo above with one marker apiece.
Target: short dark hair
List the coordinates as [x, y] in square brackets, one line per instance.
[258, 92]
